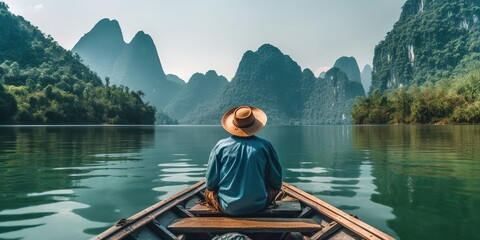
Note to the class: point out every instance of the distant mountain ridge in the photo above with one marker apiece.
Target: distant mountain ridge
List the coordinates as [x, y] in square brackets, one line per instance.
[349, 66]
[135, 64]
[201, 92]
[366, 77]
[271, 80]
[268, 79]
[101, 47]
[330, 98]
[265, 78]
[175, 78]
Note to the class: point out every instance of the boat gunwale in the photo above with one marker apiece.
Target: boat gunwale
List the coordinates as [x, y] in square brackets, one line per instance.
[150, 213]
[346, 220]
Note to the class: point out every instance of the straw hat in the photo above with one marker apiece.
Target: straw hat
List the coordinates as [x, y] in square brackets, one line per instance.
[244, 121]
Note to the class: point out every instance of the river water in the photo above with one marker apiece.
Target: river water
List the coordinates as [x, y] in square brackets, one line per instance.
[412, 182]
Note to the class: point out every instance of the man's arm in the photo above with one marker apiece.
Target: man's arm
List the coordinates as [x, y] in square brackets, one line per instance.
[274, 170]
[213, 171]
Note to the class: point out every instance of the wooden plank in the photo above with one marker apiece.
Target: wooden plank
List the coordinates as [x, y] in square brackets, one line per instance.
[287, 198]
[192, 201]
[290, 208]
[326, 232]
[140, 219]
[251, 225]
[183, 212]
[306, 212]
[358, 227]
[162, 231]
[344, 234]
[130, 237]
[182, 237]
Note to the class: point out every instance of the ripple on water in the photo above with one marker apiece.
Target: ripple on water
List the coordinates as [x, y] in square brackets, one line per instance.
[96, 166]
[181, 164]
[53, 192]
[176, 175]
[182, 177]
[308, 170]
[34, 221]
[182, 160]
[169, 190]
[118, 155]
[183, 170]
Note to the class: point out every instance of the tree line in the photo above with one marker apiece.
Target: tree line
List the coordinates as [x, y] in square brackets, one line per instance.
[455, 100]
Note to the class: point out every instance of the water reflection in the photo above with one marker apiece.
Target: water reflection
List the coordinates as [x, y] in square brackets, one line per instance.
[45, 173]
[322, 161]
[428, 175]
[96, 175]
[410, 181]
[179, 172]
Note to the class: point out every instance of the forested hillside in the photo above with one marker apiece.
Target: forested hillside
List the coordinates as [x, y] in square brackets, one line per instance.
[431, 40]
[271, 80]
[329, 99]
[427, 68]
[42, 83]
[201, 92]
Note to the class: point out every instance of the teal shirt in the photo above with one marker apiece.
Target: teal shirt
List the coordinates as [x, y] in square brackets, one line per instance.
[239, 169]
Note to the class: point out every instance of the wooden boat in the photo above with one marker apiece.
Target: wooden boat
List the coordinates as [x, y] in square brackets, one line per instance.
[298, 215]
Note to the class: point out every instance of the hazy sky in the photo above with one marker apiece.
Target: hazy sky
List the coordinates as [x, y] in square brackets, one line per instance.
[196, 36]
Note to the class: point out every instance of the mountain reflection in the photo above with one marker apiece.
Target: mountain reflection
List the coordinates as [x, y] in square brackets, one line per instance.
[325, 165]
[44, 171]
[86, 178]
[428, 175]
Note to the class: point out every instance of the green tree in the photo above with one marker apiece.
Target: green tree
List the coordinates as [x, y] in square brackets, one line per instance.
[401, 102]
[8, 106]
[373, 109]
[361, 110]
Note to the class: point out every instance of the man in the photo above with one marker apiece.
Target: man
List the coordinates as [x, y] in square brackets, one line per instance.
[243, 173]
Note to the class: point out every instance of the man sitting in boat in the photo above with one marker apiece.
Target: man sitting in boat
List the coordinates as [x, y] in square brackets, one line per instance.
[243, 173]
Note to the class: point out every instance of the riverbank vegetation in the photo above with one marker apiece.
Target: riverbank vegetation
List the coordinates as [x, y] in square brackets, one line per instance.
[455, 101]
[84, 104]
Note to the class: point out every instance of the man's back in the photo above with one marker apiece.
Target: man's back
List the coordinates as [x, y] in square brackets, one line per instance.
[241, 169]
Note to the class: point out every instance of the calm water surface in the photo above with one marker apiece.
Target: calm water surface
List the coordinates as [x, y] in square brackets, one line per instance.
[413, 182]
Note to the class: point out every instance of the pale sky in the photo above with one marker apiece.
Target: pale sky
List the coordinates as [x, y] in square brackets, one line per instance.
[197, 36]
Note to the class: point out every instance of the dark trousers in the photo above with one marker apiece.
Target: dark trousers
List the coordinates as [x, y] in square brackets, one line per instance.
[211, 197]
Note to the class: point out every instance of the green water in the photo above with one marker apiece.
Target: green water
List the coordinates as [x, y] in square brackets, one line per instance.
[413, 182]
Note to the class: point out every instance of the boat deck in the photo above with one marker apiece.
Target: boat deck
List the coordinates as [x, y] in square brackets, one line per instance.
[298, 215]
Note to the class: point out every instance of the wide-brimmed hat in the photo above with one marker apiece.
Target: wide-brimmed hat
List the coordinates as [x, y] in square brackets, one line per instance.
[244, 121]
